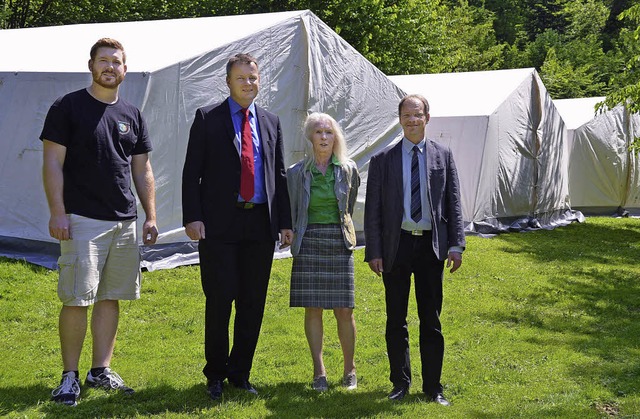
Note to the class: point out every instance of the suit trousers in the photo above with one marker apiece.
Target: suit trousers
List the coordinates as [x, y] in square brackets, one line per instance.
[415, 256]
[235, 270]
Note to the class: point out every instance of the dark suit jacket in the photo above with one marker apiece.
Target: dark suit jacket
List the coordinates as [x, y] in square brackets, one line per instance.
[384, 203]
[211, 174]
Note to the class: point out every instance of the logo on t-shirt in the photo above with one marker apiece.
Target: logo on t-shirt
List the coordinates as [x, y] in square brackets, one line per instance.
[123, 127]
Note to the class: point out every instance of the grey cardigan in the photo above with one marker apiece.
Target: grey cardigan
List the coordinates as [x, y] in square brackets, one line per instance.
[347, 181]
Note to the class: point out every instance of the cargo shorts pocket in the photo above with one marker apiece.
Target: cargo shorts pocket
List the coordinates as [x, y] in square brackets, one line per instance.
[76, 284]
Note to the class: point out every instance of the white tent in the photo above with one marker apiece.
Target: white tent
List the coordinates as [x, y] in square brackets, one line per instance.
[508, 143]
[174, 67]
[604, 176]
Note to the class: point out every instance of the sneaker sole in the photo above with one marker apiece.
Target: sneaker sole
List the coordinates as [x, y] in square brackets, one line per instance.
[128, 391]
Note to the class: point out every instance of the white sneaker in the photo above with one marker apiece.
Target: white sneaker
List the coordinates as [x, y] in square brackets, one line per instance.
[68, 391]
[320, 384]
[108, 380]
[350, 381]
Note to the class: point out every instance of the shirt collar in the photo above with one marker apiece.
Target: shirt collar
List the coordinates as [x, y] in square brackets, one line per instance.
[235, 108]
[407, 145]
[332, 162]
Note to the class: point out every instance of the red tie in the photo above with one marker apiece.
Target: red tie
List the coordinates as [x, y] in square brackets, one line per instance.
[247, 170]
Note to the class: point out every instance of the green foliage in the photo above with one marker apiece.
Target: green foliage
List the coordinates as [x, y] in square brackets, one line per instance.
[537, 325]
[509, 18]
[571, 59]
[544, 15]
[581, 47]
[562, 80]
[627, 82]
[422, 36]
[629, 79]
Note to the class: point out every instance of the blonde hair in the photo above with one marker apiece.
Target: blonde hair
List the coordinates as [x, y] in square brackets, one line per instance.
[339, 144]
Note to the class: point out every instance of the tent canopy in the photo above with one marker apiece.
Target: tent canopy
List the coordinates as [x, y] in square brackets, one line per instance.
[474, 93]
[150, 45]
[577, 112]
[175, 67]
[508, 143]
[604, 175]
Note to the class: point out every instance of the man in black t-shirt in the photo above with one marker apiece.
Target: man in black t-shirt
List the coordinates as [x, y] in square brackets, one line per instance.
[94, 144]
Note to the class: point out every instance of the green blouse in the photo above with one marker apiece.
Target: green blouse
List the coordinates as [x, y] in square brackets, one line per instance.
[323, 204]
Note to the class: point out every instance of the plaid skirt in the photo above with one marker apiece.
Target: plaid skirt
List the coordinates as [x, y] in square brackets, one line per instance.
[322, 272]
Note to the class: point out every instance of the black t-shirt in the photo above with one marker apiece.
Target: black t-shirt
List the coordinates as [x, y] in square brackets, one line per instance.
[100, 139]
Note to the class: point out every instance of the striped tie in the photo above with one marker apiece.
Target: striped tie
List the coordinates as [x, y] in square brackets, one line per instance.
[416, 202]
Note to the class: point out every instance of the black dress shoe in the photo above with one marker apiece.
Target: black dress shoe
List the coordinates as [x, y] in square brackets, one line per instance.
[245, 385]
[439, 398]
[398, 393]
[214, 388]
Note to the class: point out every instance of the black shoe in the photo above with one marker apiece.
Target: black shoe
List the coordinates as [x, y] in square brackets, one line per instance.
[439, 398]
[398, 393]
[244, 385]
[214, 388]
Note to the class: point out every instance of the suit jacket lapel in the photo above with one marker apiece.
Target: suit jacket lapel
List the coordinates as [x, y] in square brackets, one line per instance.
[225, 111]
[263, 127]
[395, 174]
[431, 161]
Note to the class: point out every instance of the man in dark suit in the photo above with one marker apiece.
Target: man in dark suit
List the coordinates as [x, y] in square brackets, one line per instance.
[235, 202]
[412, 224]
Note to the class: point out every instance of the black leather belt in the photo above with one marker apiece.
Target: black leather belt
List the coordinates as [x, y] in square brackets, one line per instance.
[248, 205]
[416, 232]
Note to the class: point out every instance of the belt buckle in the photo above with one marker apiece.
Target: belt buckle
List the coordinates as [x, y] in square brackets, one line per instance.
[245, 205]
[416, 232]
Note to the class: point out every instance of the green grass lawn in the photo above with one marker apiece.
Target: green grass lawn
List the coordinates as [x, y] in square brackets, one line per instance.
[537, 325]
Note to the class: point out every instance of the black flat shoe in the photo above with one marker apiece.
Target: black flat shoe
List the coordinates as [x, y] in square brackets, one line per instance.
[214, 388]
[245, 385]
[398, 393]
[439, 398]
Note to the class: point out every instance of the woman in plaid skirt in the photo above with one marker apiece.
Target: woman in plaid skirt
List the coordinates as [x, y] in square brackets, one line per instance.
[323, 188]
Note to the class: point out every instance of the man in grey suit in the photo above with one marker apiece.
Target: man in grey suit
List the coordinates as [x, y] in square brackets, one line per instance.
[412, 224]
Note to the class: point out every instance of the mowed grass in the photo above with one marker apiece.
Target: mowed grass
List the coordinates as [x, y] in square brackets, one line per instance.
[543, 324]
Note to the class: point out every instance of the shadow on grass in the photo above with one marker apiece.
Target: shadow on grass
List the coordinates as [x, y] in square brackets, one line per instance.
[27, 265]
[17, 399]
[295, 400]
[286, 400]
[592, 303]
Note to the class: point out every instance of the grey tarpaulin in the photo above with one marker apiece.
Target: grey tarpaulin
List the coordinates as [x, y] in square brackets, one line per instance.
[509, 145]
[174, 67]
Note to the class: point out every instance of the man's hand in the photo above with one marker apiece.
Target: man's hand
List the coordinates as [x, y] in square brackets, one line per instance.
[454, 260]
[286, 238]
[195, 230]
[376, 266]
[59, 227]
[149, 232]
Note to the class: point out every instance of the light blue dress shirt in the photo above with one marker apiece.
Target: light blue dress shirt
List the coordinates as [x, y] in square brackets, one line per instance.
[407, 155]
[260, 194]
[407, 222]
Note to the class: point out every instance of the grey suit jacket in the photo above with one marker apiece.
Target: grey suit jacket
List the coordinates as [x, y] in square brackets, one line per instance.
[384, 203]
[347, 181]
[211, 174]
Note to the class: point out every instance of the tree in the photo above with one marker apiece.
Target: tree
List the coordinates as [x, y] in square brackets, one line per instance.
[423, 36]
[628, 92]
[571, 60]
[563, 80]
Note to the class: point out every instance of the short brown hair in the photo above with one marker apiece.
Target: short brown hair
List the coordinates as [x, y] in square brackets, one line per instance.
[421, 98]
[242, 59]
[108, 43]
